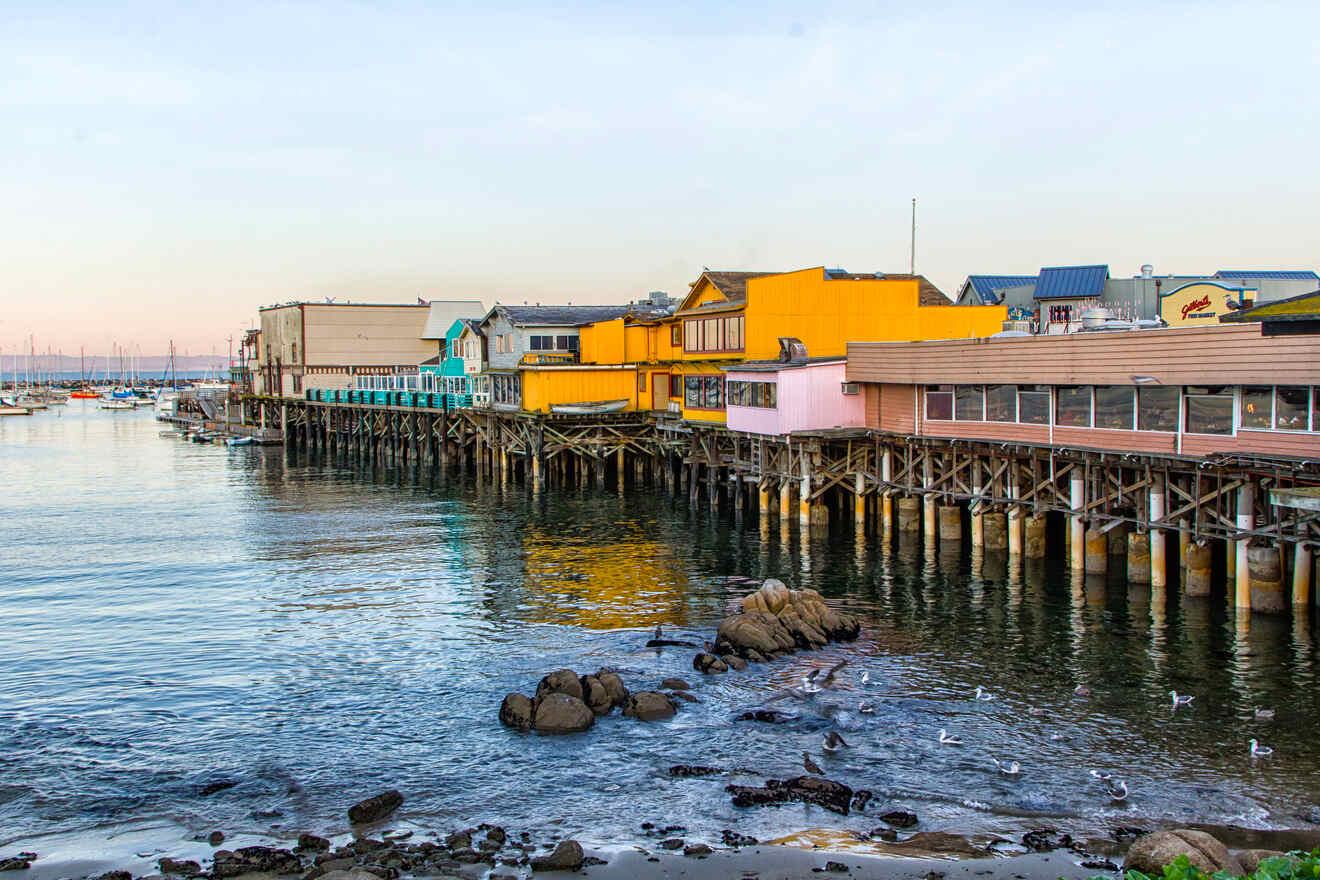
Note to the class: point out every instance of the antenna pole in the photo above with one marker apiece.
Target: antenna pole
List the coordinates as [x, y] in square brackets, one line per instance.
[912, 255]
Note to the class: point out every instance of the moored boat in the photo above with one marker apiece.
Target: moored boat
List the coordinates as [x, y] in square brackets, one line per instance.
[587, 409]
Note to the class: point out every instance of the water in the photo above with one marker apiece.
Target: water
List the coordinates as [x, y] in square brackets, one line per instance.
[179, 618]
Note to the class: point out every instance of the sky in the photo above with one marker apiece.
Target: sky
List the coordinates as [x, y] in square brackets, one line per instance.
[170, 168]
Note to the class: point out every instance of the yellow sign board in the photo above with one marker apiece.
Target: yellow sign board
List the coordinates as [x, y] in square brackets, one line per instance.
[1199, 303]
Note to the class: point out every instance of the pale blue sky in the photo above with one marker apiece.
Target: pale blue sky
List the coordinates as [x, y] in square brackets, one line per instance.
[169, 170]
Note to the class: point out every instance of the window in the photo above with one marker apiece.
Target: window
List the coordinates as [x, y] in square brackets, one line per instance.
[1291, 407]
[704, 392]
[1033, 404]
[969, 403]
[506, 389]
[1073, 406]
[676, 335]
[542, 343]
[939, 403]
[457, 349]
[297, 384]
[1001, 403]
[713, 334]
[641, 381]
[1157, 408]
[675, 385]
[1257, 401]
[692, 391]
[763, 395]
[1208, 409]
[1115, 407]
[293, 356]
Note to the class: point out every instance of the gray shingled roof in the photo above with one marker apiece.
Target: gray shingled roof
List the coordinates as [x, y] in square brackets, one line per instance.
[732, 284]
[561, 316]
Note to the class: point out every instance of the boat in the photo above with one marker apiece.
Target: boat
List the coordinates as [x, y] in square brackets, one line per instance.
[84, 394]
[113, 403]
[588, 409]
[239, 441]
[9, 408]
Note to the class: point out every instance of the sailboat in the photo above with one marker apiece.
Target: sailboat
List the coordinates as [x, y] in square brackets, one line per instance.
[82, 392]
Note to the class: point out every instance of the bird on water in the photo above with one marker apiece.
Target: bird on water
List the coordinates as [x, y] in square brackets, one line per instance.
[1117, 789]
[983, 695]
[812, 766]
[1180, 699]
[828, 680]
[1260, 751]
[1082, 690]
[1264, 714]
[834, 742]
[947, 739]
[1008, 768]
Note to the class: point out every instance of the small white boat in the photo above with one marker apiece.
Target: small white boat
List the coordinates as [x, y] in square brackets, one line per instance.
[239, 441]
[113, 403]
[588, 409]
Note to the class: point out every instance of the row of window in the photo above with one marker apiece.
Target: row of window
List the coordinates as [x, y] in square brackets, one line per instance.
[553, 343]
[506, 388]
[703, 392]
[1203, 409]
[758, 394]
[713, 334]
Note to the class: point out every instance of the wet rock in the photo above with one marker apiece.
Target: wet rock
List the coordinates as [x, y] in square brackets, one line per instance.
[15, 863]
[312, 843]
[709, 664]
[694, 770]
[1046, 840]
[216, 838]
[516, 711]
[595, 696]
[751, 632]
[697, 849]
[1151, 853]
[613, 686]
[669, 643]
[941, 843]
[459, 840]
[351, 873]
[562, 713]
[220, 785]
[179, 866]
[684, 696]
[734, 839]
[672, 843]
[1098, 864]
[766, 716]
[756, 796]
[755, 656]
[1126, 833]
[836, 867]
[1250, 859]
[733, 661]
[833, 796]
[328, 863]
[675, 684]
[861, 797]
[497, 835]
[115, 875]
[568, 856]
[259, 859]
[776, 620]
[900, 818]
[648, 706]
[373, 809]
[561, 681]
[886, 834]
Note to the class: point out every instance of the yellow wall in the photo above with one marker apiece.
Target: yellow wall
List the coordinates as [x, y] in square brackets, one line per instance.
[602, 342]
[546, 386]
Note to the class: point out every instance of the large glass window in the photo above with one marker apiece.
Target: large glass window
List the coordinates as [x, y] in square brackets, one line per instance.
[542, 343]
[1292, 405]
[713, 334]
[1001, 403]
[1157, 408]
[1033, 404]
[969, 403]
[1209, 409]
[747, 393]
[1115, 407]
[704, 392]
[1072, 406]
[1257, 403]
[939, 403]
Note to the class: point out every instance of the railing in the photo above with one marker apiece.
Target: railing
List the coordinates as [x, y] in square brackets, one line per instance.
[415, 399]
[550, 358]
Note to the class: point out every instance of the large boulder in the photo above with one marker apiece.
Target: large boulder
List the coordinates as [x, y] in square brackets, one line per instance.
[595, 695]
[709, 664]
[1250, 859]
[613, 686]
[561, 681]
[648, 706]
[375, 808]
[516, 711]
[567, 856]
[561, 713]
[255, 859]
[1149, 854]
[776, 620]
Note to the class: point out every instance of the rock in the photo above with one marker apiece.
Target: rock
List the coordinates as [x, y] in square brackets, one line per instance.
[216, 838]
[836, 867]
[1045, 840]
[561, 713]
[734, 839]
[561, 681]
[940, 843]
[672, 843]
[709, 664]
[750, 631]
[497, 835]
[669, 643]
[567, 856]
[774, 594]
[373, 809]
[697, 849]
[684, 696]
[516, 711]
[212, 787]
[648, 706]
[353, 873]
[900, 818]
[15, 864]
[886, 834]
[613, 686]
[733, 661]
[1151, 853]
[1250, 859]
[459, 840]
[595, 696]
[179, 866]
[675, 684]
[756, 796]
[312, 842]
[115, 875]
[259, 859]
[755, 657]
[827, 793]
[694, 770]
[768, 716]
[861, 797]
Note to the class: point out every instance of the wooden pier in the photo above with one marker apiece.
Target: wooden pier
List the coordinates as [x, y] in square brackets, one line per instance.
[1231, 518]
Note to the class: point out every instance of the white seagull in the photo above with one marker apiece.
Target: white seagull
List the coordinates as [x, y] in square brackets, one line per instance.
[1264, 714]
[1179, 700]
[866, 676]
[1082, 690]
[1259, 751]
[948, 740]
[866, 709]
[1036, 711]
[983, 695]
[1101, 775]
[1117, 790]
[1008, 768]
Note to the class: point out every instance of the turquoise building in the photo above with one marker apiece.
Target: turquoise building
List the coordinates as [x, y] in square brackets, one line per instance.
[444, 373]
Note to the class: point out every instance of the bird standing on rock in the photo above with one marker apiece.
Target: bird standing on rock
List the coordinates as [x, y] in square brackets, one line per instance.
[812, 766]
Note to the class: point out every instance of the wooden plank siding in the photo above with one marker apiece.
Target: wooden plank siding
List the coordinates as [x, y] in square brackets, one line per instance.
[1221, 355]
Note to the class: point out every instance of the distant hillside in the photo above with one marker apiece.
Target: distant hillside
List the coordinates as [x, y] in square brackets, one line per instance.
[96, 365]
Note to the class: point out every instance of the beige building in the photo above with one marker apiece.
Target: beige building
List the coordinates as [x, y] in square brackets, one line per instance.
[325, 345]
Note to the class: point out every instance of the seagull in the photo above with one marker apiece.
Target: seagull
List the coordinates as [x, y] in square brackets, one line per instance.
[1008, 768]
[1259, 751]
[983, 695]
[1101, 775]
[834, 742]
[1082, 690]
[1264, 714]
[812, 766]
[829, 676]
[866, 676]
[1180, 700]
[1117, 790]
[947, 740]
[866, 708]
[1036, 711]
[788, 693]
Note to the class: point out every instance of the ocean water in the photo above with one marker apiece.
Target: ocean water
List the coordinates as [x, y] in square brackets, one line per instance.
[228, 638]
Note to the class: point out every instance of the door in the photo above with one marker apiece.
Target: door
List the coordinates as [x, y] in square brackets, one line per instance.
[660, 391]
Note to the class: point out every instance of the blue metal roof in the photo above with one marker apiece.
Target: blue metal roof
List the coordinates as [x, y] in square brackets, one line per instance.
[1284, 274]
[1071, 282]
[985, 285]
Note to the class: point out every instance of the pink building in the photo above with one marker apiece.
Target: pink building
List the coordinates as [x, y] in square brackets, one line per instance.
[776, 398]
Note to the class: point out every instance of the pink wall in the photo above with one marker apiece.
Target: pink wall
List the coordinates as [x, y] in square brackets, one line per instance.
[810, 398]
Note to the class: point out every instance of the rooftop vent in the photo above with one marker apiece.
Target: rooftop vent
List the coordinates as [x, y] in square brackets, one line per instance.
[1147, 270]
[792, 350]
